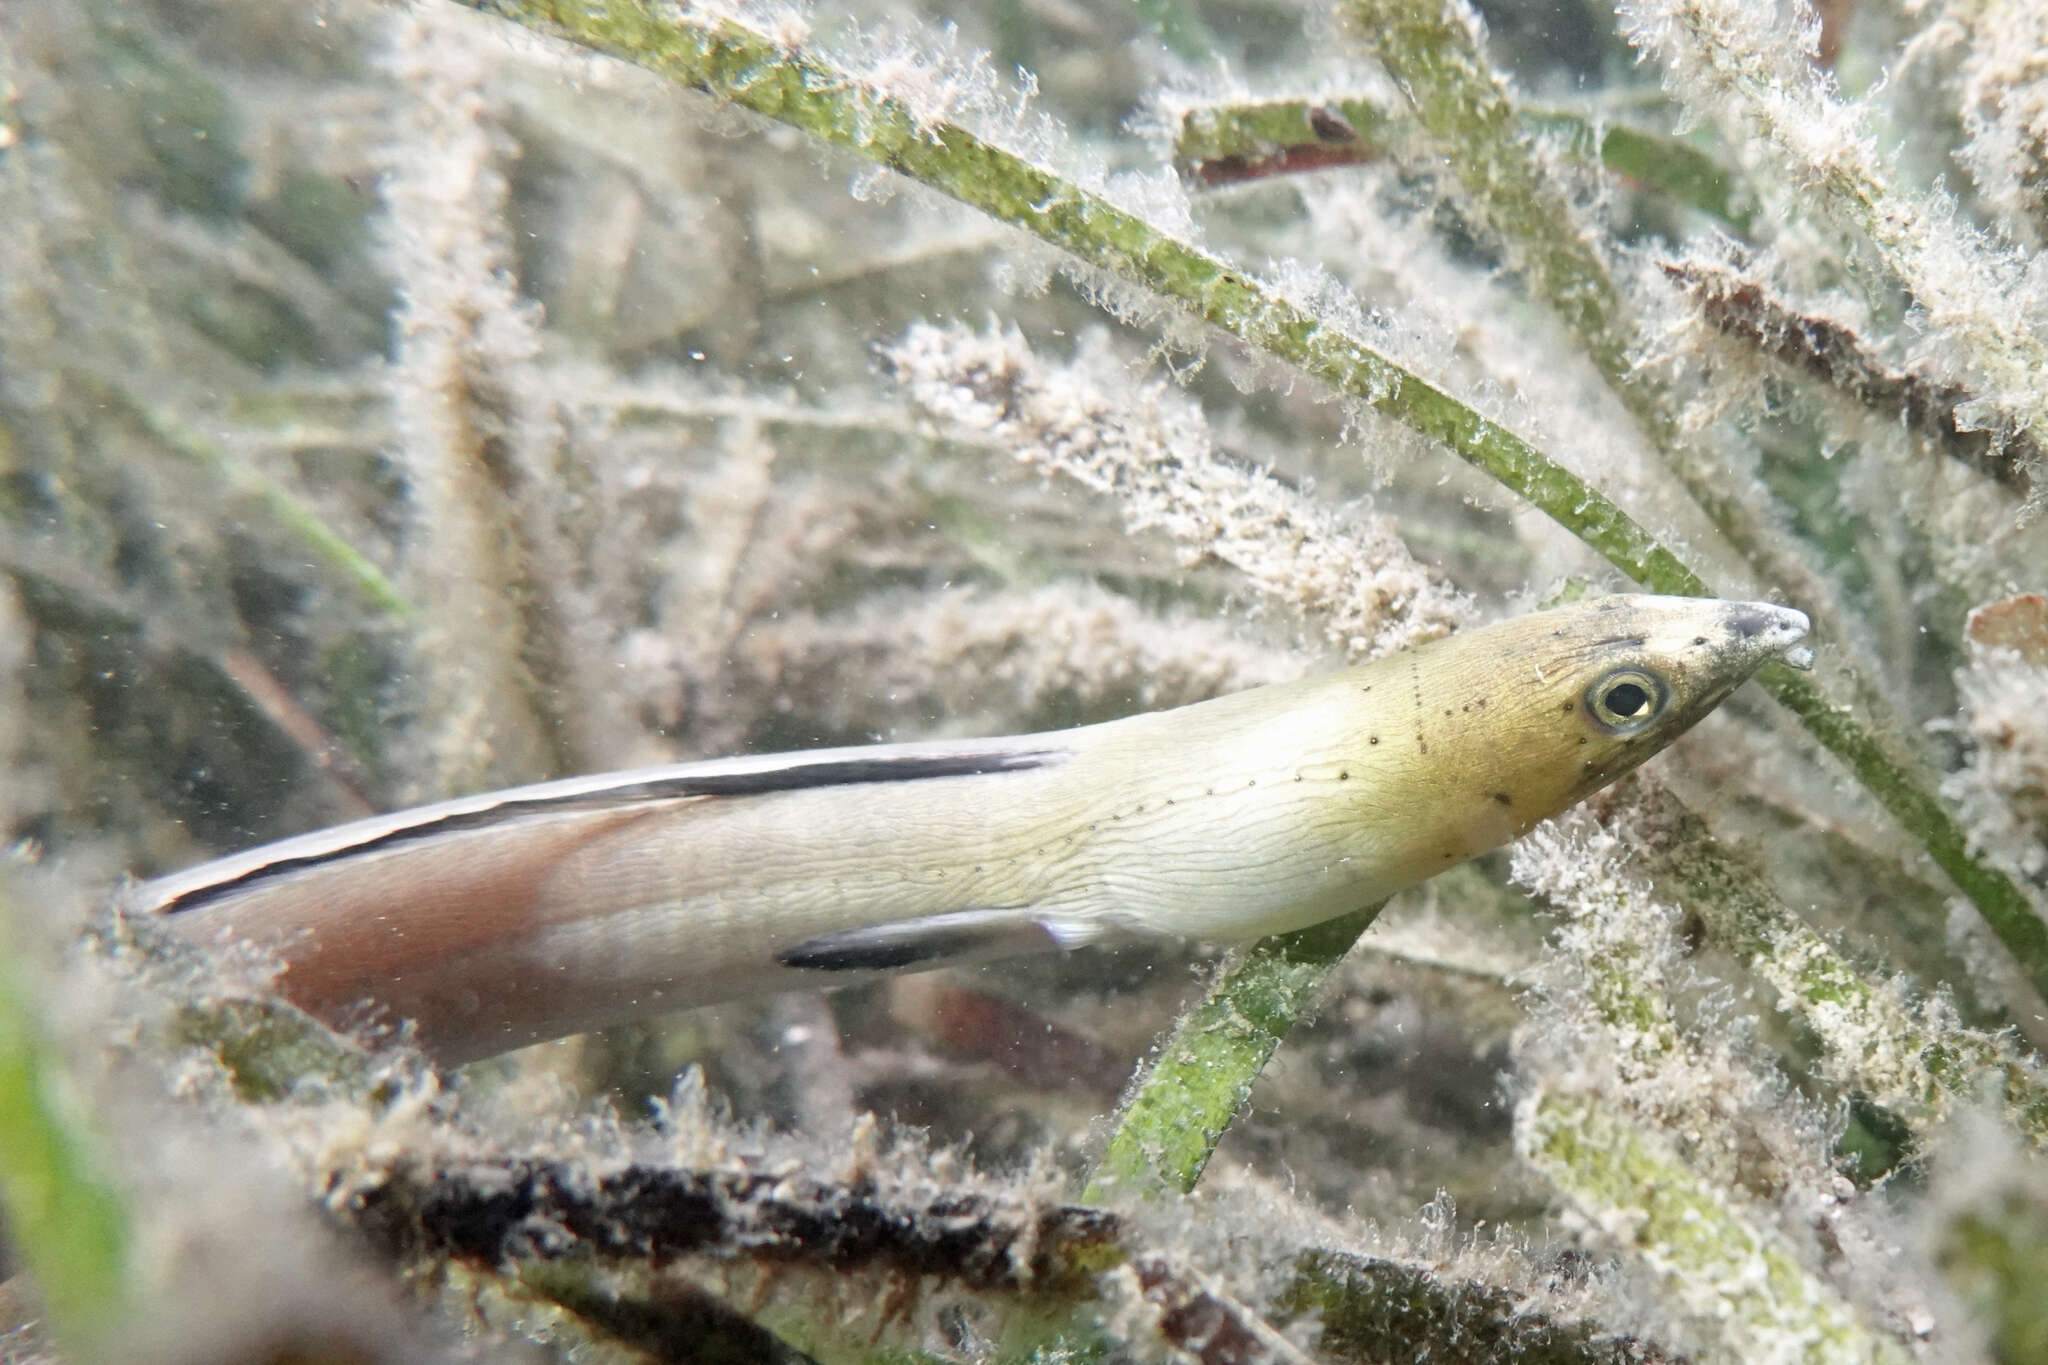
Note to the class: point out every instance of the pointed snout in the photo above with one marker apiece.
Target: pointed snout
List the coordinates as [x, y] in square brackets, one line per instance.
[1763, 630]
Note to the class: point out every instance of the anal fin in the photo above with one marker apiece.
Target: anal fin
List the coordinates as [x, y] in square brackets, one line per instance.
[933, 939]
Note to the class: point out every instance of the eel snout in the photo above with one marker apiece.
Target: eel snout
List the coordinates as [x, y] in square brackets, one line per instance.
[1769, 630]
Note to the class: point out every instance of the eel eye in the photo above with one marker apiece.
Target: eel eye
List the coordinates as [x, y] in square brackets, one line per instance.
[1626, 700]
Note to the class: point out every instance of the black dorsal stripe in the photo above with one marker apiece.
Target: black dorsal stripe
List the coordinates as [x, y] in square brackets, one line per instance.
[794, 776]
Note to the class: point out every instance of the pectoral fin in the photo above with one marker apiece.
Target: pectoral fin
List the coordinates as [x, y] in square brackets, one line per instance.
[955, 936]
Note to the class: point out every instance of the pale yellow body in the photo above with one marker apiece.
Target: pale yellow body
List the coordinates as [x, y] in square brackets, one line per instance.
[529, 914]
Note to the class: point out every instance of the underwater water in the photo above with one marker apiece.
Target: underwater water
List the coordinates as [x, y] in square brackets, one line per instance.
[399, 402]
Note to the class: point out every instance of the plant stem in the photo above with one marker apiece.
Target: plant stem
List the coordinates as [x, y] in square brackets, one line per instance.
[1172, 1118]
[1974, 289]
[795, 86]
[1919, 1063]
[323, 541]
[1721, 1261]
[1432, 50]
[63, 1217]
[1220, 144]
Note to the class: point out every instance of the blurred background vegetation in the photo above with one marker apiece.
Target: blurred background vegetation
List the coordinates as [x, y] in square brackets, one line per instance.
[397, 403]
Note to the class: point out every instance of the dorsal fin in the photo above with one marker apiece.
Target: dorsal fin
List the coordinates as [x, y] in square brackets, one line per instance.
[715, 779]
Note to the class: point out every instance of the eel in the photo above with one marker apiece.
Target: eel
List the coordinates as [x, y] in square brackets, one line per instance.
[498, 920]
